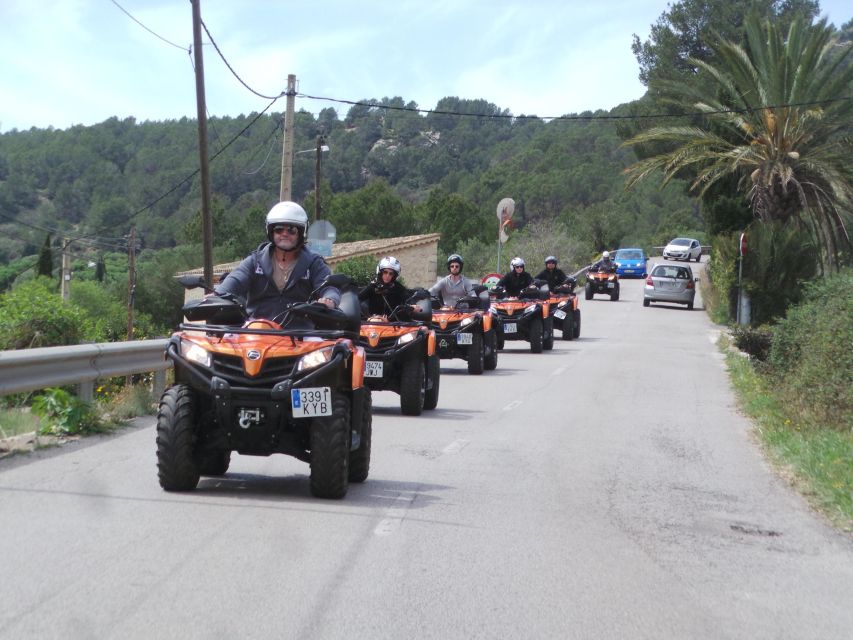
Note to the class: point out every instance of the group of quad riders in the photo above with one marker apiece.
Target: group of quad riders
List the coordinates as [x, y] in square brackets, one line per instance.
[282, 355]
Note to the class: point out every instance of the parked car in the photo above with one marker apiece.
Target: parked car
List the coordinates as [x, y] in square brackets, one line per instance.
[683, 249]
[630, 262]
[670, 283]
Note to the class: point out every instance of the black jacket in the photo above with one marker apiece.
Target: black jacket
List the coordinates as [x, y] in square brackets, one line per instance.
[514, 283]
[383, 302]
[554, 278]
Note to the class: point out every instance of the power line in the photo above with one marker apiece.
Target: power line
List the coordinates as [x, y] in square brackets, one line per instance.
[127, 13]
[96, 242]
[272, 139]
[506, 116]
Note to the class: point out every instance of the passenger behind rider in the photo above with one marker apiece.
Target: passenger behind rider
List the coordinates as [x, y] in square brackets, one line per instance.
[384, 294]
[454, 286]
[551, 274]
[605, 265]
[281, 270]
[517, 280]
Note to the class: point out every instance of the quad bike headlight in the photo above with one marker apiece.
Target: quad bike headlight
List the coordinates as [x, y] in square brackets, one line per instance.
[314, 359]
[466, 321]
[530, 309]
[194, 353]
[406, 338]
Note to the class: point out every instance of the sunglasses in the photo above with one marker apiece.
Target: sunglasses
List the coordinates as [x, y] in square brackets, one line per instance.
[519, 267]
[289, 229]
[455, 266]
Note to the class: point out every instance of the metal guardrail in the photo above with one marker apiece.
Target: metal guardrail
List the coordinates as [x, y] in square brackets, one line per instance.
[82, 364]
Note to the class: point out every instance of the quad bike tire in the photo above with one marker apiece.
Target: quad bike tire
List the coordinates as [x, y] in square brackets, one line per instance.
[329, 458]
[176, 437]
[577, 323]
[548, 342]
[359, 460]
[614, 297]
[476, 354]
[433, 374]
[412, 385]
[536, 335]
[569, 326]
[490, 362]
[587, 291]
[501, 343]
[215, 464]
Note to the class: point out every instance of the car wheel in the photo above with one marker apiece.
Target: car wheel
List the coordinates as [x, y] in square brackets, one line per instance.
[412, 387]
[690, 306]
[176, 467]
[646, 302]
[536, 335]
[476, 354]
[329, 458]
[359, 460]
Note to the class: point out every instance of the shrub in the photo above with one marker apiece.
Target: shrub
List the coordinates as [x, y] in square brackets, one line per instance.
[811, 356]
[34, 315]
[361, 269]
[65, 414]
[755, 341]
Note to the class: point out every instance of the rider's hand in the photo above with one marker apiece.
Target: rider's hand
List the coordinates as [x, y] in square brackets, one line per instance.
[328, 302]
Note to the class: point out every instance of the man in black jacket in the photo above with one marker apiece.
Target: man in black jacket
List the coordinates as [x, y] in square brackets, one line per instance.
[517, 280]
[551, 274]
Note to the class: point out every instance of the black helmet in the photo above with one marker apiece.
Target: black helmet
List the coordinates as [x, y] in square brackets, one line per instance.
[455, 257]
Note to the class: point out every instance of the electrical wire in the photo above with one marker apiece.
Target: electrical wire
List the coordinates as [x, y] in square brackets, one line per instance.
[127, 13]
[272, 139]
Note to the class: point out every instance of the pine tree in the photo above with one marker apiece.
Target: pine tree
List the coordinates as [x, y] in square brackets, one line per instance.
[45, 263]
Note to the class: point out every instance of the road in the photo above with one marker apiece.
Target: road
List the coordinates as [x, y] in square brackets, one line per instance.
[607, 489]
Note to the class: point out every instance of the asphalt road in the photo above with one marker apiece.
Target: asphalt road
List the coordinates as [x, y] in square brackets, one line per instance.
[607, 489]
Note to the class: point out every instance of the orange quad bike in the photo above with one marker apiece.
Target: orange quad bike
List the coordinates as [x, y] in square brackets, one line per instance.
[256, 388]
[468, 330]
[564, 310]
[400, 354]
[526, 317]
[602, 281]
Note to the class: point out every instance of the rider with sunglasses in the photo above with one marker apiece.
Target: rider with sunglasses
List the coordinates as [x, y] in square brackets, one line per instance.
[383, 294]
[514, 282]
[282, 270]
[454, 286]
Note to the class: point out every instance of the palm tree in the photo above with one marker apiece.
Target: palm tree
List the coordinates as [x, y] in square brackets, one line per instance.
[777, 115]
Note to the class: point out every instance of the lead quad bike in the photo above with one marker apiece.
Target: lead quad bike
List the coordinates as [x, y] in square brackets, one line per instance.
[401, 355]
[526, 317]
[468, 330]
[564, 310]
[604, 281]
[257, 387]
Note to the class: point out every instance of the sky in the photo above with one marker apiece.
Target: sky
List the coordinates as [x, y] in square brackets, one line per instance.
[69, 62]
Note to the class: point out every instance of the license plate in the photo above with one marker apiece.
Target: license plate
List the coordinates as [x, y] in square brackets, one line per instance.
[464, 338]
[610, 285]
[309, 402]
[559, 313]
[373, 369]
[510, 327]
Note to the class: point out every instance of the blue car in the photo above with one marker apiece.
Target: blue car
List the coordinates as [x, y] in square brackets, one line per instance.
[630, 263]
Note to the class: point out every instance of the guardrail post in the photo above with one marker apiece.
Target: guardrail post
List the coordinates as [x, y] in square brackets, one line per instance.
[86, 390]
[159, 384]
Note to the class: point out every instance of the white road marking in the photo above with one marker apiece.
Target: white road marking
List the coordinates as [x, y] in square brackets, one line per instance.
[512, 405]
[456, 446]
[394, 516]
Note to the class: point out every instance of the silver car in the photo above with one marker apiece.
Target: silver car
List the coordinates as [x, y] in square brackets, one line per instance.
[670, 283]
[683, 249]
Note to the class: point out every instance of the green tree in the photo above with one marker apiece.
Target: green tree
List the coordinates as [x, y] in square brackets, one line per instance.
[34, 315]
[45, 262]
[773, 120]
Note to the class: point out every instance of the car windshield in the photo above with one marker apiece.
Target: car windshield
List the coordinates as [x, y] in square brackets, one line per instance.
[683, 242]
[629, 254]
[669, 271]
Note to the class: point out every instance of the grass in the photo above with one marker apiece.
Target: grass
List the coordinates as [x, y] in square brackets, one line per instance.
[14, 422]
[818, 459]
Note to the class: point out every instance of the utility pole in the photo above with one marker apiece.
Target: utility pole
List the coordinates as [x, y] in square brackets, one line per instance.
[287, 150]
[320, 142]
[65, 283]
[131, 280]
[206, 218]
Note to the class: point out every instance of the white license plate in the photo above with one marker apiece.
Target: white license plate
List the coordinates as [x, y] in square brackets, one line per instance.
[559, 313]
[464, 338]
[610, 285]
[373, 369]
[309, 402]
[510, 327]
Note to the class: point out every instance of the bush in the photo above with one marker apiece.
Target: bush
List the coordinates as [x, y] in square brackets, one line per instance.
[34, 315]
[65, 414]
[755, 341]
[361, 269]
[811, 356]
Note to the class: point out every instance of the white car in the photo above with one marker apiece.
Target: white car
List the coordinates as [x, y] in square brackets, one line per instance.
[683, 249]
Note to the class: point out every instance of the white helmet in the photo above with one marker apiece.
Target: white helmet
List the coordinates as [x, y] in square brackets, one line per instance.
[287, 213]
[516, 262]
[605, 255]
[389, 262]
